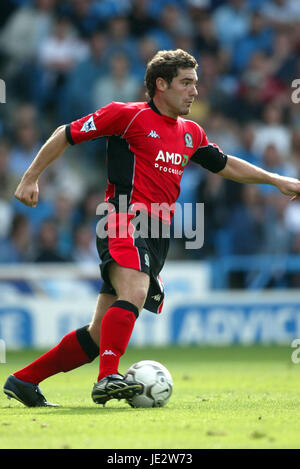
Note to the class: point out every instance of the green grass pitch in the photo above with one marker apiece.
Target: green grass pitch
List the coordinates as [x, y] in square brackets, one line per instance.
[235, 397]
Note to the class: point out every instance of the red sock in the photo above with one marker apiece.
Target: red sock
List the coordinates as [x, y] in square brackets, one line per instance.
[74, 350]
[116, 328]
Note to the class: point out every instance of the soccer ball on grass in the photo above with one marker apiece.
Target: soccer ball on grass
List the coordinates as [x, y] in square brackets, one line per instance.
[156, 380]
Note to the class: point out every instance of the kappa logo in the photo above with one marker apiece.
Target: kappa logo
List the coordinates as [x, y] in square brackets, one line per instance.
[147, 260]
[88, 125]
[153, 134]
[108, 352]
[156, 297]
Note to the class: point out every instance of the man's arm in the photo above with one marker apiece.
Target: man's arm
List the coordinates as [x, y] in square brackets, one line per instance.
[111, 119]
[27, 191]
[241, 171]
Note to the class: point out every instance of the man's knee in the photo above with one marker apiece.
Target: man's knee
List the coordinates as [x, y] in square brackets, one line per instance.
[130, 285]
[137, 296]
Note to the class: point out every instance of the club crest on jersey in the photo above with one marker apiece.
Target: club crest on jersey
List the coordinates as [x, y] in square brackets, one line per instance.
[188, 139]
[88, 125]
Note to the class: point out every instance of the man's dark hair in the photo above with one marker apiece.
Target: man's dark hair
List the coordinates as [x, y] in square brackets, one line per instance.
[165, 64]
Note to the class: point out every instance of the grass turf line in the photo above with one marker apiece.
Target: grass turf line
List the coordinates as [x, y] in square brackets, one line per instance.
[235, 397]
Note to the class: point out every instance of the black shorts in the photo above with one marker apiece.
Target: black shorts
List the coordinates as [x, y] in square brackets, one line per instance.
[145, 254]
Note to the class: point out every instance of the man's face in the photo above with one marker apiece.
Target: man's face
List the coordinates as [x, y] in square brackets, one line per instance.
[181, 92]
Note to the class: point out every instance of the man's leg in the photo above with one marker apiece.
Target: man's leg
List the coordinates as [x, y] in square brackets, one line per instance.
[74, 350]
[118, 323]
[104, 302]
[116, 329]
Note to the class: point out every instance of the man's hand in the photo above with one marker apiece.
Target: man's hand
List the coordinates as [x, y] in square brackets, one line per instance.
[239, 170]
[289, 186]
[27, 192]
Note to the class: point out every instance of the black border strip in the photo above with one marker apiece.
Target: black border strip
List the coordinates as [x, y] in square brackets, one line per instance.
[126, 305]
[87, 343]
[68, 134]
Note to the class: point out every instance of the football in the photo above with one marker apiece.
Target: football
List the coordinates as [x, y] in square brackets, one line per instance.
[156, 380]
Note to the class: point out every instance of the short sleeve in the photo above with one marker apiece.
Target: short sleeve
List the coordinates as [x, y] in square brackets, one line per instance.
[109, 120]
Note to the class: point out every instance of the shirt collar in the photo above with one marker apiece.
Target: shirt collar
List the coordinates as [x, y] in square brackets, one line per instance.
[152, 105]
[171, 120]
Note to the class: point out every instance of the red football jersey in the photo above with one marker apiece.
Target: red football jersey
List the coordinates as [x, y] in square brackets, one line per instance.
[146, 152]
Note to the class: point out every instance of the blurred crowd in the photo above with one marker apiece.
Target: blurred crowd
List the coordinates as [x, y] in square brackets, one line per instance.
[64, 59]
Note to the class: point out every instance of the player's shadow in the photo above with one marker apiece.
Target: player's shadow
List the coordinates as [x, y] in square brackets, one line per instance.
[87, 410]
[79, 410]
